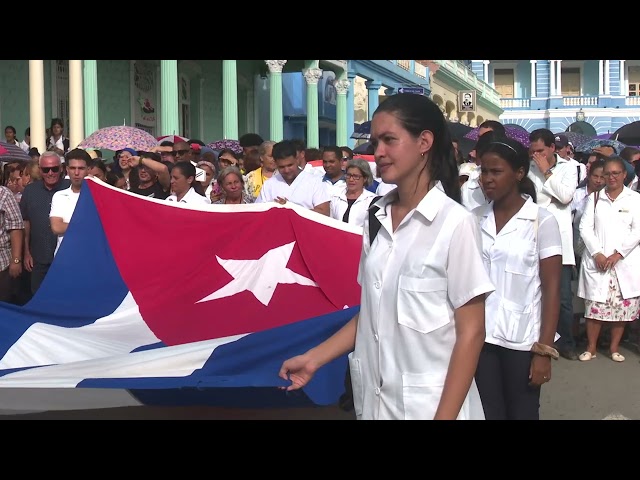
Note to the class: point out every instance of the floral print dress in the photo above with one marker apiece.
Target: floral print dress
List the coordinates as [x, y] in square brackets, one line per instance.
[616, 308]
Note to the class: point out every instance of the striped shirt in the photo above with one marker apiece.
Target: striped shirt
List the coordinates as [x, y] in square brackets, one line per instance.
[10, 219]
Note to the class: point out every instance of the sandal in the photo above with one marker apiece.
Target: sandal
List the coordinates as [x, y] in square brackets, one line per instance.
[616, 357]
[586, 356]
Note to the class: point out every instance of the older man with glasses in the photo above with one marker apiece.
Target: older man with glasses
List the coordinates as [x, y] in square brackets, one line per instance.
[39, 241]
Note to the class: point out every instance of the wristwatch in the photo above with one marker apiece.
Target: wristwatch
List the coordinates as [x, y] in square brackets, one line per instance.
[17, 260]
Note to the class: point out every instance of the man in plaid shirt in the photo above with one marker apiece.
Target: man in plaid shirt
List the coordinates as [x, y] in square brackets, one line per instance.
[11, 239]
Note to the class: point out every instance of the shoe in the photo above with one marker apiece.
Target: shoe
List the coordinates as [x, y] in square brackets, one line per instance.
[568, 353]
[616, 357]
[586, 356]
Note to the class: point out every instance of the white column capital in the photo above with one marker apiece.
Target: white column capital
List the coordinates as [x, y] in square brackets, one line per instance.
[275, 65]
[533, 61]
[312, 75]
[486, 62]
[342, 86]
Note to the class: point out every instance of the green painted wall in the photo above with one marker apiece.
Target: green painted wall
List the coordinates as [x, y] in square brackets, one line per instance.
[114, 92]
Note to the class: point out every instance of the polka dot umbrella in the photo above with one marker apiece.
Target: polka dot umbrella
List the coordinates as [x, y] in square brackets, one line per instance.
[119, 137]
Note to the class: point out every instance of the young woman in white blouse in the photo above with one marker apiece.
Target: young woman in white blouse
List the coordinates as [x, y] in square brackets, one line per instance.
[522, 251]
[416, 341]
[351, 204]
[184, 187]
[608, 282]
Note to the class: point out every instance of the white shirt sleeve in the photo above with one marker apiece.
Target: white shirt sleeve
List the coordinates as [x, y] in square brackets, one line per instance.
[549, 239]
[262, 196]
[320, 193]
[57, 206]
[466, 274]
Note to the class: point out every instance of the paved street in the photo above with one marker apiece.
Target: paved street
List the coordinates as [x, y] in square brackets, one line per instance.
[592, 390]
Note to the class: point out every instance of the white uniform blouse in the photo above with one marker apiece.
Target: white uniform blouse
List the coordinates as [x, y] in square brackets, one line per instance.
[613, 226]
[191, 197]
[513, 312]
[412, 281]
[339, 205]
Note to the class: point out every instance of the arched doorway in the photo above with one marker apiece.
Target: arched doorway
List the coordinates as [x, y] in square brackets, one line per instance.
[584, 128]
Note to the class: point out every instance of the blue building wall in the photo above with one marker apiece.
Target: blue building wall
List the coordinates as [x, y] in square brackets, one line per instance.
[523, 75]
[590, 78]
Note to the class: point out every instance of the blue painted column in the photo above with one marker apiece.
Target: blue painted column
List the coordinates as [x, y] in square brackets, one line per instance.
[169, 112]
[342, 86]
[373, 98]
[312, 76]
[351, 142]
[276, 115]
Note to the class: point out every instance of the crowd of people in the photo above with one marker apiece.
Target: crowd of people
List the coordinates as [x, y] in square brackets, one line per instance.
[467, 269]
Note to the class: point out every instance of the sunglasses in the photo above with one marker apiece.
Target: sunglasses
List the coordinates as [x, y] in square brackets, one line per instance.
[50, 169]
[180, 152]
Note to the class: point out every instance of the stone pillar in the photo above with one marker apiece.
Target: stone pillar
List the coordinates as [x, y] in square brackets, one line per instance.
[170, 115]
[607, 86]
[36, 105]
[276, 116]
[552, 77]
[76, 104]
[312, 76]
[485, 70]
[342, 86]
[533, 77]
[373, 97]
[559, 78]
[600, 77]
[623, 81]
[90, 80]
[351, 142]
[229, 100]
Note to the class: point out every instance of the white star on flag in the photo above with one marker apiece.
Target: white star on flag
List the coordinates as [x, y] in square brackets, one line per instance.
[260, 277]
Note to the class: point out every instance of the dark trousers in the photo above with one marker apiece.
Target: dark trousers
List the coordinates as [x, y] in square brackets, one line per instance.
[502, 378]
[565, 321]
[37, 275]
[6, 286]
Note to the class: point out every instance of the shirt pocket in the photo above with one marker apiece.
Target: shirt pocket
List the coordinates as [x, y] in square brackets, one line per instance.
[357, 385]
[421, 393]
[522, 257]
[514, 322]
[422, 303]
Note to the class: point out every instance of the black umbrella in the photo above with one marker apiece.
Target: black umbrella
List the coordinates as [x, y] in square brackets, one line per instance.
[628, 134]
[458, 130]
[365, 149]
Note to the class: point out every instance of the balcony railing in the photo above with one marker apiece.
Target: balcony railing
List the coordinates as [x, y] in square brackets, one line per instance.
[580, 101]
[418, 69]
[515, 103]
[460, 70]
[632, 101]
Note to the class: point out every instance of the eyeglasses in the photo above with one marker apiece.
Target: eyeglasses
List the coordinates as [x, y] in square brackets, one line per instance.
[354, 177]
[50, 169]
[613, 174]
[180, 152]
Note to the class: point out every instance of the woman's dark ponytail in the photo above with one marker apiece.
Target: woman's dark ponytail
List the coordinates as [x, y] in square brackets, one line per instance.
[527, 186]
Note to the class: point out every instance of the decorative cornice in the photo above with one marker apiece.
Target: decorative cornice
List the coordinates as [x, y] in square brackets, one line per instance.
[275, 66]
[312, 75]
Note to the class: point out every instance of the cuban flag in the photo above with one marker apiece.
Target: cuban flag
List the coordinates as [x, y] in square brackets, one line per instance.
[151, 303]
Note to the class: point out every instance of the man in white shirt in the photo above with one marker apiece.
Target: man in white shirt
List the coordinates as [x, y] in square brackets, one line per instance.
[293, 184]
[334, 175]
[563, 147]
[556, 180]
[64, 202]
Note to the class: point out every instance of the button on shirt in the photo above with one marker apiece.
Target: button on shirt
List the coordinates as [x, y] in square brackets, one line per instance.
[406, 329]
[513, 312]
[35, 206]
[306, 190]
[63, 204]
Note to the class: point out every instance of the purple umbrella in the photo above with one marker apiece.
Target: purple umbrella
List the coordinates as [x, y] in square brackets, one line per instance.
[222, 144]
[12, 153]
[119, 138]
[514, 132]
[603, 136]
